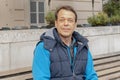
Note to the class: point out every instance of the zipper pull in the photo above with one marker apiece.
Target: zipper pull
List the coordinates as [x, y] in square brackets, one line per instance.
[74, 75]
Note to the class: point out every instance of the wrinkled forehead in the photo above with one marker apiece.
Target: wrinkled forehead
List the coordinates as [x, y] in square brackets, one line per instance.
[65, 14]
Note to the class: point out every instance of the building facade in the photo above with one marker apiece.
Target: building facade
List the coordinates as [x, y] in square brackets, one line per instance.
[26, 13]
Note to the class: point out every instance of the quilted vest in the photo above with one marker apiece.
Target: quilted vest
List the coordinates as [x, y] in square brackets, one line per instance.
[60, 66]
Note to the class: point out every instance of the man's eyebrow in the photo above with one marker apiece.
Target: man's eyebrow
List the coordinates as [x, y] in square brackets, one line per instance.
[61, 17]
[67, 18]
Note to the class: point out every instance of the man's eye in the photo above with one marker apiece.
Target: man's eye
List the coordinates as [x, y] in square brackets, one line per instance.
[61, 20]
[70, 21]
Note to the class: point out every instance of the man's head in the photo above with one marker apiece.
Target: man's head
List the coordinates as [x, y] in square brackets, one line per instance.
[66, 21]
[68, 8]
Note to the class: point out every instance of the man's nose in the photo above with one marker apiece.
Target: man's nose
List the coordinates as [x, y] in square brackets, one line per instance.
[66, 22]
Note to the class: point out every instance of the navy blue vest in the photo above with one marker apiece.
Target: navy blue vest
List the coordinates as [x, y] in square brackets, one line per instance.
[60, 66]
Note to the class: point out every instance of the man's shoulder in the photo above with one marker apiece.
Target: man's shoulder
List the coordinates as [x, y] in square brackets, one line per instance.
[41, 47]
[40, 44]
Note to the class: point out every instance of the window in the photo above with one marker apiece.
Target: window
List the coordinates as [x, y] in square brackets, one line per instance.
[37, 13]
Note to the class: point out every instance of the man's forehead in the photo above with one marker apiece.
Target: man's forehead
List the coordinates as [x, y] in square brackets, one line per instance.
[66, 13]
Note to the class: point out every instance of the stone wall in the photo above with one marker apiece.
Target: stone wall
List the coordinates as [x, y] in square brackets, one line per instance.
[17, 46]
[82, 7]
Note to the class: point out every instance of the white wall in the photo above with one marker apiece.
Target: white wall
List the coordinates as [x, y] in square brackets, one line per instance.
[17, 46]
[82, 7]
[17, 12]
[14, 13]
[102, 40]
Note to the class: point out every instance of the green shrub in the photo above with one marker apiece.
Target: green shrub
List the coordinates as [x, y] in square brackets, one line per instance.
[112, 7]
[100, 19]
[50, 18]
[114, 20]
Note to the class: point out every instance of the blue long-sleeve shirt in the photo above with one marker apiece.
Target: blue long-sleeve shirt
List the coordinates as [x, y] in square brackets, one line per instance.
[41, 65]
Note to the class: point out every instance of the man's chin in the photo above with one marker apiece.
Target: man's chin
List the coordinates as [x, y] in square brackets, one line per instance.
[66, 35]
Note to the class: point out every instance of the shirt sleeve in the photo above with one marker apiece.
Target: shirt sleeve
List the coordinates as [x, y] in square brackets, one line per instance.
[41, 63]
[90, 72]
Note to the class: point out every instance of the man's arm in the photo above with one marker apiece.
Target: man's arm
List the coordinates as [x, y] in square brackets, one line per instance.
[90, 73]
[41, 63]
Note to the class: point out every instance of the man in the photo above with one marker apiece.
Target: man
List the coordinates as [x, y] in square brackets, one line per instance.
[62, 53]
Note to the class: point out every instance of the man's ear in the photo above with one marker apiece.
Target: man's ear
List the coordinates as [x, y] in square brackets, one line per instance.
[55, 23]
[75, 25]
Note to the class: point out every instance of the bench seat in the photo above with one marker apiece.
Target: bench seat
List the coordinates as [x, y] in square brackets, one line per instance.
[107, 67]
[16, 74]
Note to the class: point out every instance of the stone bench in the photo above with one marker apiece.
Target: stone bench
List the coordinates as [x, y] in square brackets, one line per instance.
[108, 66]
[17, 74]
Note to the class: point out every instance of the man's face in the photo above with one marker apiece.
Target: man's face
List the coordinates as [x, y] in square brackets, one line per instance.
[65, 23]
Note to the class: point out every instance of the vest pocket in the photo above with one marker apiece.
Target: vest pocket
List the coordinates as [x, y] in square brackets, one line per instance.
[60, 69]
[55, 69]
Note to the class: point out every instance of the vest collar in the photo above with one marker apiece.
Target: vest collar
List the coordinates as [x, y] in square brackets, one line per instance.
[51, 37]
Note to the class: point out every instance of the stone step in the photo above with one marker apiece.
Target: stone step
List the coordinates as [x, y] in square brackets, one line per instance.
[115, 76]
[19, 77]
[107, 65]
[108, 71]
[106, 59]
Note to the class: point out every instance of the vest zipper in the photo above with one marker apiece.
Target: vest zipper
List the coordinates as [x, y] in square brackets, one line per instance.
[72, 57]
[74, 76]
